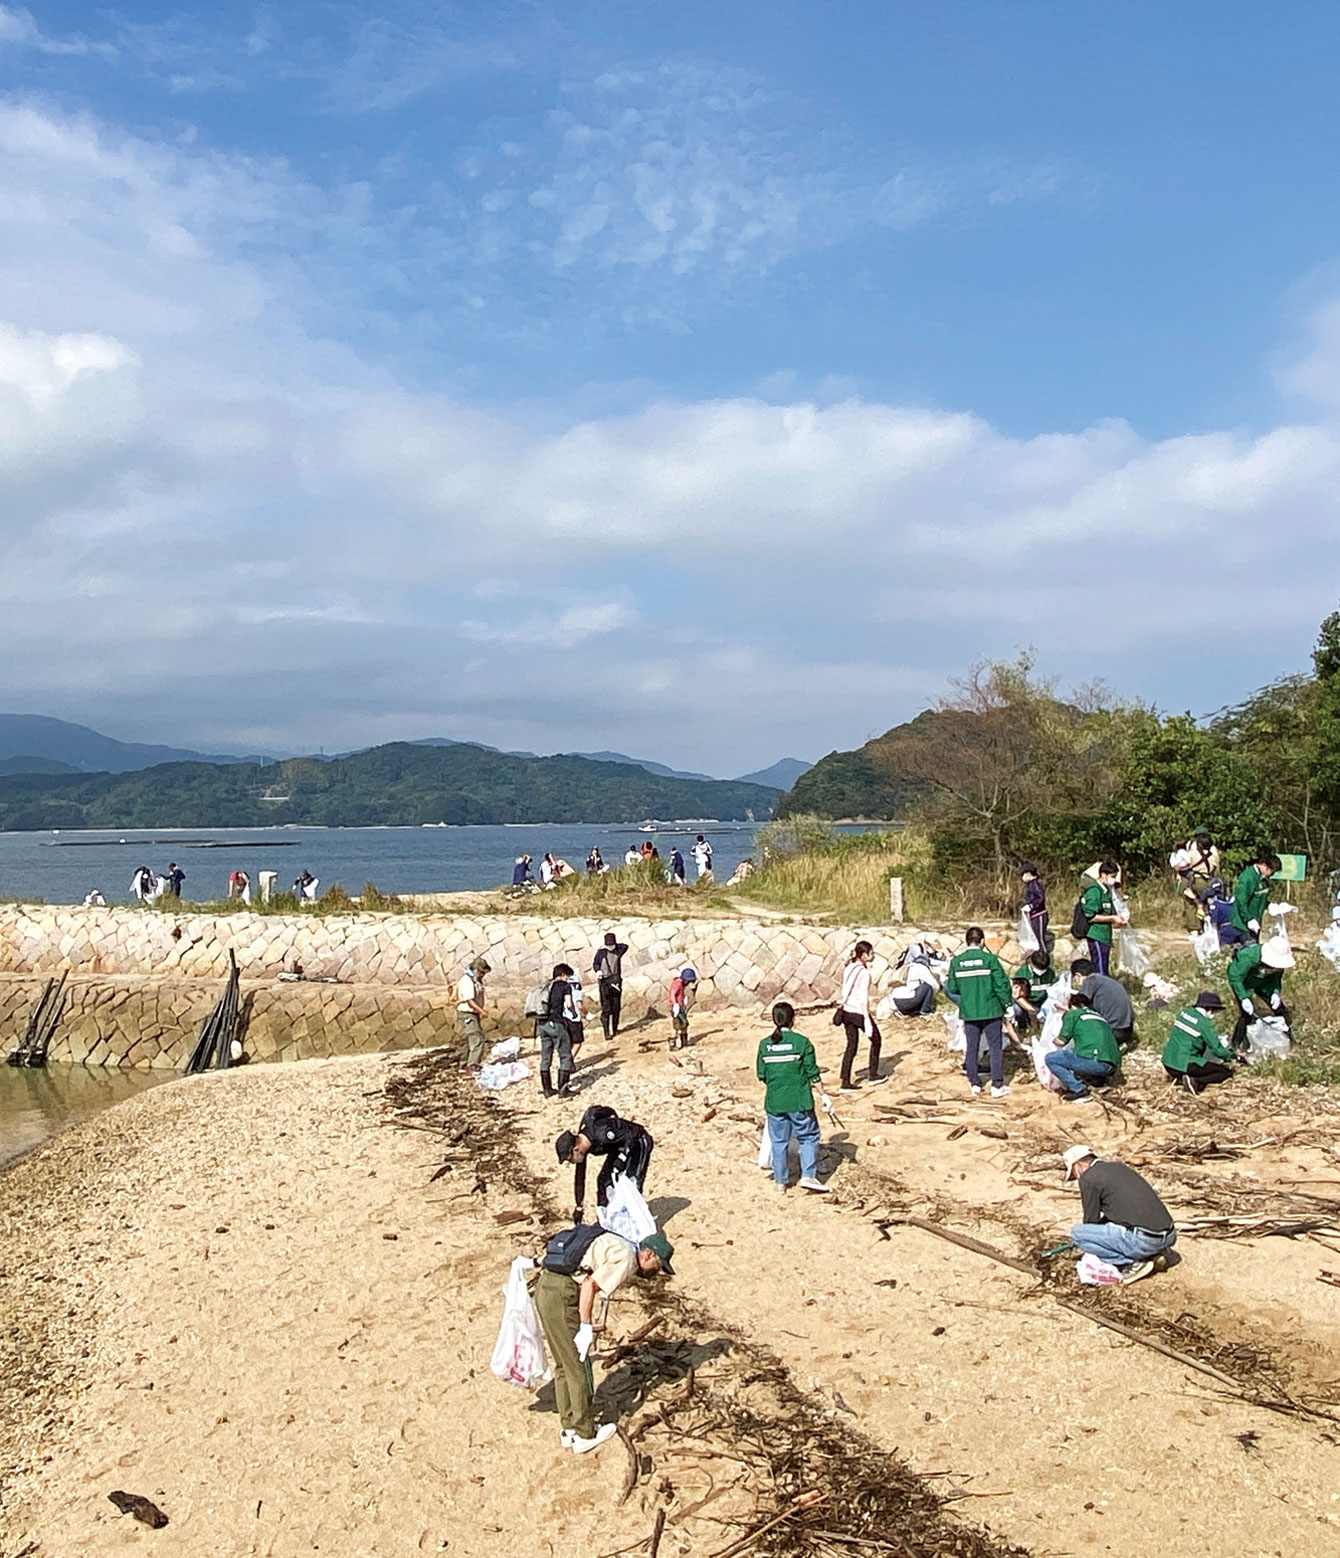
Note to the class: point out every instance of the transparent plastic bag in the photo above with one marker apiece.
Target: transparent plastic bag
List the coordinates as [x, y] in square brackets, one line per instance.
[1206, 944]
[519, 1357]
[1131, 956]
[1268, 1038]
[627, 1214]
[1028, 941]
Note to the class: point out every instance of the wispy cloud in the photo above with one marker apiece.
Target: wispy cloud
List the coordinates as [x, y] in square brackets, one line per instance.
[18, 30]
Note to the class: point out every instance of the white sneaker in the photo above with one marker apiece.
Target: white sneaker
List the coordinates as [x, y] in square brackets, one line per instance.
[1141, 1268]
[808, 1182]
[999, 1092]
[974, 1091]
[566, 1437]
[580, 1446]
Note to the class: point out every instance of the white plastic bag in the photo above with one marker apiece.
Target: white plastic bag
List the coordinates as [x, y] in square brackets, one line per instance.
[506, 1049]
[1206, 944]
[765, 1151]
[1267, 1037]
[1028, 941]
[1058, 1004]
[1131, 955]
[1329, 945]
[1096, 1272]
[519, 1357]
[627, 1214]
[886, 1010]
[1039, 1050]
[502, 1074]
[958, 1038]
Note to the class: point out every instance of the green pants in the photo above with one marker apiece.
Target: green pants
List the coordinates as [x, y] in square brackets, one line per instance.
[556, 1305]
[473, 1030]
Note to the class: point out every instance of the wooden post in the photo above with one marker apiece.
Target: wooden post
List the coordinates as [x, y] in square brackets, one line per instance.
[896, 899]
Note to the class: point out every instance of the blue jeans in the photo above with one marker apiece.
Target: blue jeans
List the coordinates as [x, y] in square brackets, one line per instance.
[803, 1125]
[1100, 955]
[1072, 1071]
[1119, 1245]
[975, 1032]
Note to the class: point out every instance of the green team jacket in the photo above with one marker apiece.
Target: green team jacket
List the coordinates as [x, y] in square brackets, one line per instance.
[1250, 897]
[1098, 900]
[1248, 976]
[977, 978]
[1089, 1035]
[787, 1067]
[1193, 1037]
[1038, 983]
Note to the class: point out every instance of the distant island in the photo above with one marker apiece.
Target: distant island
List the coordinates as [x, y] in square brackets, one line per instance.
[398, 785]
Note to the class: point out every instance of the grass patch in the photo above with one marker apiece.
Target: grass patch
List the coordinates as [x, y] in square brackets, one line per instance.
[334, 901]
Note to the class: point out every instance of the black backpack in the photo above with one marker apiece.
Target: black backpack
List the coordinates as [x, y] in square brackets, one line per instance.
[565, 1250]
[1079, 921]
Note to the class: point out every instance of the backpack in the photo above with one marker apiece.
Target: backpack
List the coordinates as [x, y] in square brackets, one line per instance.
[537, 1000]
[1079, 921]
[563, 1253]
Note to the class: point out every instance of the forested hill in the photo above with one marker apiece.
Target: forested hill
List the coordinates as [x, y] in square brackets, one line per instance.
[397, 785]
[863, 783]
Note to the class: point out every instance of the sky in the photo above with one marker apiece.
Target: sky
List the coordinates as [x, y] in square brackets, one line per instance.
[709, 383]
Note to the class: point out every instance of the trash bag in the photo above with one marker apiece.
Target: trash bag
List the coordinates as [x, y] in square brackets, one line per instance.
[1039, 1050]
[1058, 1004]
[1131, 956]
[886, 1010]
[1028, 941]
[506, 1049]
[627, 1214]
[765, 1151]
[1094, 1271]
[502, 1074]
[958, 1038]
[1206, 944]
[1329, 945]
[519, 1357]
[1268, 1037]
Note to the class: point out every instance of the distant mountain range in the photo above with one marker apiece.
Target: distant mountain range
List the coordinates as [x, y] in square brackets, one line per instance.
[36, 744]
[402, 784]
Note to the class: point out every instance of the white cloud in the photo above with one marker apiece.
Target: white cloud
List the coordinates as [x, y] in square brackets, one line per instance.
[222, 523]
[18, 30]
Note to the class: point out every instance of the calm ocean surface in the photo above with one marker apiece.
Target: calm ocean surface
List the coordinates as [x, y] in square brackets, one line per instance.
[63, 867]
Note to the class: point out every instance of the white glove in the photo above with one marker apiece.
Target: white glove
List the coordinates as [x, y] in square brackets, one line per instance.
[1248, 1008]
[584, 1341]
[868, 1027]
[1275, 1002]
[1254, 925]
[827, 1103]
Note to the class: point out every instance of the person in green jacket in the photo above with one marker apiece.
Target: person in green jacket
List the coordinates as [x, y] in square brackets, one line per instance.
[788, 1070]
[977, 985]
[1251, 895]
[1195, 1055]
[1256, 973]
[1101, 913]
[1089, 1052]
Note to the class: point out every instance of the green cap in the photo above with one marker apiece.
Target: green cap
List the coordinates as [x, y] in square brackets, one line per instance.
[662, 1248]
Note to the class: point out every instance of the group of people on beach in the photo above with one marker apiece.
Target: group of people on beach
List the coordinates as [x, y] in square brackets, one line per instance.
[553, 870]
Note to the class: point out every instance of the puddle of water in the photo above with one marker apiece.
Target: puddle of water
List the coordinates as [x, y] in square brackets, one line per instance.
[36, 1103]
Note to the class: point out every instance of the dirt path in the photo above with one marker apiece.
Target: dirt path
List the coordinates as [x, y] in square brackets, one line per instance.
[288, 1323]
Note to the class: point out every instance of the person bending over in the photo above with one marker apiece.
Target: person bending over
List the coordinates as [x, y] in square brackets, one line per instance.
[624, 1145]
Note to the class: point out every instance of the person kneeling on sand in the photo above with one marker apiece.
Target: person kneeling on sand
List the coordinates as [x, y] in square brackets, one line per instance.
[578, 1264]
[1125, 1223]
[1089, 1051]
[788, 1070]
[1195, 1055]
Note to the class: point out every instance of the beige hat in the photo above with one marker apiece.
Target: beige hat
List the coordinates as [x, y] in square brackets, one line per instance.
[1074, 1155]
[1277, 953]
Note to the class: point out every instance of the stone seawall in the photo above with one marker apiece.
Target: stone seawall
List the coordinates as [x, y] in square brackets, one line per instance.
[142, 981]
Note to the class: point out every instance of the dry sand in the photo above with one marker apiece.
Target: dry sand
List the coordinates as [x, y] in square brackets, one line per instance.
[244, 1297]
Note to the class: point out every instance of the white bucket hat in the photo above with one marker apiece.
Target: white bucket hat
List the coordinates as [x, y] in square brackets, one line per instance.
[1277, 953]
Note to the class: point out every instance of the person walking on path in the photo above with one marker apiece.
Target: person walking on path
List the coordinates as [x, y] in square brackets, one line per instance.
[1101, 916]
[470, 1010]
[1035, 904]
[1108, 997]
[682, 988]
[977, 984]
[1125, 1223]
[623, 1144]
[857, 1019]
[788, 1070]
[588, 1262]
[557, 1028]
[1089, 1051]
[1195, 1056]
[1256, 973]
[608, 969]
[702, 857]
[1251, 895]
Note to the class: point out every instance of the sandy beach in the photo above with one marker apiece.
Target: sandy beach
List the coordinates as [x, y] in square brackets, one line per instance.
[246, 1297]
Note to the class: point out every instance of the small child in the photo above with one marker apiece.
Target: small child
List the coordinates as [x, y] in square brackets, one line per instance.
[682, 988]
[788, 1070]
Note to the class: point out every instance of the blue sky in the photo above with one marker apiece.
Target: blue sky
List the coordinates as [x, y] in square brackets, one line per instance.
[705, 382]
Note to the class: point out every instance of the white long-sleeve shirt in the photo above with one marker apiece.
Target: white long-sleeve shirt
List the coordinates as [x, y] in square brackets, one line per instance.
[856, 989]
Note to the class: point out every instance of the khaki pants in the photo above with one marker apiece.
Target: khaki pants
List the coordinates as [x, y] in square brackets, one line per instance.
[473, 1030]
[556, 1305]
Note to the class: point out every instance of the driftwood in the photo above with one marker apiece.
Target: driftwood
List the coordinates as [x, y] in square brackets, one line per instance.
[656, 1533]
